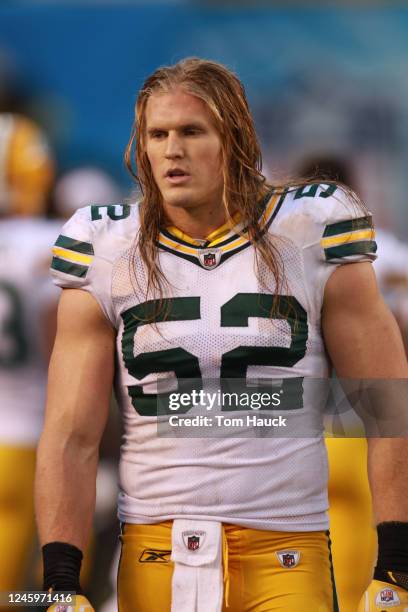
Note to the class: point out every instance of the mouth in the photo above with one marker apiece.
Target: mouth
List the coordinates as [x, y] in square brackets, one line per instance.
[177, 176]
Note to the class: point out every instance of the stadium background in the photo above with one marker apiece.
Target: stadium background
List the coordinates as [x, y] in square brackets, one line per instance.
[319, 79]
[326, 81]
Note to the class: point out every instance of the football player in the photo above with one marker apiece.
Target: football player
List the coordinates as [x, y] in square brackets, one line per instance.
[214, 274]
[27, 325]
[351, 524]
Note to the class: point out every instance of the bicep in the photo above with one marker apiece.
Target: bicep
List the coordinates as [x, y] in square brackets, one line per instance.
[361, 335]
[81, 369]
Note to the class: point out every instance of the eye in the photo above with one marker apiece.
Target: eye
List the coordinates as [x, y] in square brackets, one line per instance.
[157, 134]
[192, 131]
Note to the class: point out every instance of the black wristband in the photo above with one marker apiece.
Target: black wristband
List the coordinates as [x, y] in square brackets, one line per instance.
[392, 547]
[62, 567]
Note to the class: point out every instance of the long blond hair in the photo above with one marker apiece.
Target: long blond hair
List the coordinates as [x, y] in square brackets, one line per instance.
[245, 187]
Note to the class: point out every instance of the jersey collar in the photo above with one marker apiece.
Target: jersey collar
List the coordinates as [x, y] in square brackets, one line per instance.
[215, 237]
[224, 241]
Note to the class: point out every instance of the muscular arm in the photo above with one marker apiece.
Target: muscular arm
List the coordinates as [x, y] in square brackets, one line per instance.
[79, 389]
[363, 341]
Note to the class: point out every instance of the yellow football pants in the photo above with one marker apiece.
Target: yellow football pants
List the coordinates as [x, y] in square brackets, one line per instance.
[17, 523]
[255, 580]
[17, 527]
[354, 540]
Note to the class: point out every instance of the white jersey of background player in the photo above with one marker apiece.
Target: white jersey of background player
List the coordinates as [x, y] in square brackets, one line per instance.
[27, 300]
[219, 327]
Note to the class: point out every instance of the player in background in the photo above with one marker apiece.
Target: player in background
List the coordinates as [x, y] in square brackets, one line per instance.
[351, 517]
[28, 302]
[214, 274]
[27, 328]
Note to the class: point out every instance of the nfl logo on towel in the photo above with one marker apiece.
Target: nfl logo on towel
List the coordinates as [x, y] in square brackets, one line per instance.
[193, 539]
[193, 542]
[288, 558]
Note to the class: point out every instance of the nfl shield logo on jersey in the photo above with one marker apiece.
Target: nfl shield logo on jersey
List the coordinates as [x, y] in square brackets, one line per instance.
[288, 558]
[387, 598]
[210, 258]
[193, 539]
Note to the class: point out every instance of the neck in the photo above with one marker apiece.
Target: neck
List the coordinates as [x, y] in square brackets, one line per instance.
[198, 222]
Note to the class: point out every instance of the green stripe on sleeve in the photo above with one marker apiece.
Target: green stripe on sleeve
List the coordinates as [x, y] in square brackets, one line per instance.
[68, 267]
[342, 227]
[74, 245]
[361, 247]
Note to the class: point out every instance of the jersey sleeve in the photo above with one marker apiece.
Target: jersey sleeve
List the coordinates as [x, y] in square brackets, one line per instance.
[339, 231]
[78, 261]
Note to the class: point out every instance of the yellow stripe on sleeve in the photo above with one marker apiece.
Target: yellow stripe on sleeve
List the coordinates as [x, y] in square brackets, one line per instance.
[71, 256]
[368, 234]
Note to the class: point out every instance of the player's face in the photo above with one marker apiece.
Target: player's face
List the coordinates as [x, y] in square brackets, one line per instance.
[184, 150]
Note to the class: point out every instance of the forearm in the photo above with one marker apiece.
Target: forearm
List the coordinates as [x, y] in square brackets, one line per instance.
[65, 489]
[388, 475]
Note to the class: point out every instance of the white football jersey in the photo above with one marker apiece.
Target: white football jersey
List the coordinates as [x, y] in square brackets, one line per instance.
[25, 294]
[217, 323]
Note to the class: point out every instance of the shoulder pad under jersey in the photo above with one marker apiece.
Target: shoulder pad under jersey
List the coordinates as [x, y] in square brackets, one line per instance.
[330, 220]
[89, 243]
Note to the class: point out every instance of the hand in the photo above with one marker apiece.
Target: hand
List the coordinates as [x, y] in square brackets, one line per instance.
[81, 605]
[383, 595]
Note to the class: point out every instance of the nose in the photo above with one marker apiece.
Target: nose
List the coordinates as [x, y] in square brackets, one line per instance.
[174, 146]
